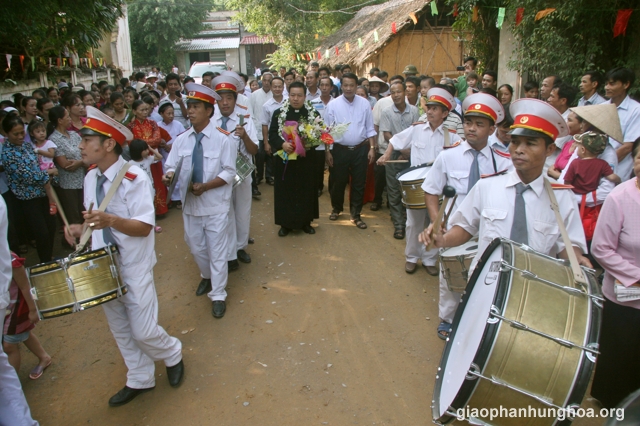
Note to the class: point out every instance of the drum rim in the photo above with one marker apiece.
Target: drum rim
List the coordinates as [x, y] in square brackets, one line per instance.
[55, 264]
[412, 168]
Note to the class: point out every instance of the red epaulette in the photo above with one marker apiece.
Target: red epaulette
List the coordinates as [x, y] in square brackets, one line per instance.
[561, 186]
[130, 176]
[247, 116]
[91, 167]
[452, 146]
[241, 106]
[418, 122]
[493, 174]
[502, 154]
[451, 130]
[221, 130]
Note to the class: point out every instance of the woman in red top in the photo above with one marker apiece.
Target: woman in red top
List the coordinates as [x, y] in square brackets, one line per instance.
[147, 130]
[74, 105]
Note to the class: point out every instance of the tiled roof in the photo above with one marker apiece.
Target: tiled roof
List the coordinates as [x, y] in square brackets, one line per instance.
[206, 44]
[256, 40]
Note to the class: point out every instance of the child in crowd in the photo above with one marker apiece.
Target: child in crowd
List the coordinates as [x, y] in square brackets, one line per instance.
[45, 150]
[472, 83]
[140, 154]
[21, 319]
[173, 128]
[532, 89]
[109, 111]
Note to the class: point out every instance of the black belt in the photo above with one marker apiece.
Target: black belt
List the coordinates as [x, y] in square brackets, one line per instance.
[350, 147]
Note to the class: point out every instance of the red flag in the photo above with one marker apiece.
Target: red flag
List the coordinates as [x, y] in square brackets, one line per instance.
[620, 27]
[519, 15]
[474, 18]
[455, 10]
[319, 55]
[337, 50]
[22, 62]
[393, 28]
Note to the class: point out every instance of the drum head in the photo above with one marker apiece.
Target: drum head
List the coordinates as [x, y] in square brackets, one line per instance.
[470, 248]
[414, 173]
[472, 337]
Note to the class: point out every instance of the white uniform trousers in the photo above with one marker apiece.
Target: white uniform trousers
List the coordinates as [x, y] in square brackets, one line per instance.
[208, 239]
[417, 221]
[133, 320]
[448, 301]
[14, 409]
[239, 218]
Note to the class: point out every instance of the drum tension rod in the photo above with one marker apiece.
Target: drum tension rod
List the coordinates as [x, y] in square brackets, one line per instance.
[496, 381]
[530, 275]
[520, 326]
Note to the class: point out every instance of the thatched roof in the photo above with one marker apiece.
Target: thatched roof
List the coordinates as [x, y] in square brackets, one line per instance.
[378, 17]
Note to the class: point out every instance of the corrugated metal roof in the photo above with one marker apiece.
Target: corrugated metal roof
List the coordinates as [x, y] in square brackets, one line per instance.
[206, 44]
[256, 40]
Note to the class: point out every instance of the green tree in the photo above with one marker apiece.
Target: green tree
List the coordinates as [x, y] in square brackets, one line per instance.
[156, 25]
[37, 28]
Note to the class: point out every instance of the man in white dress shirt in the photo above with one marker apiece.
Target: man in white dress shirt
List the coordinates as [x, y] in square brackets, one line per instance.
[207, 175]
[618, 83]
[257, 101]
[590, 83]
[353, 152]
[461, 167]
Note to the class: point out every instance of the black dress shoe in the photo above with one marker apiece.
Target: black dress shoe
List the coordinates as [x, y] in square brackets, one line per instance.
[233, 265]
[125, 395]
[175, 374]
[308, 229]
[204, 287]
[243, 256]
[256, 194]
[283, 232]
[219, 308]
[269, 181]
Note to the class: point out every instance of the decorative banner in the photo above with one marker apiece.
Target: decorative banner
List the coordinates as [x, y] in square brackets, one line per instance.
[9, 60]
[375, 35]
[22, 62]
[622, 20]
[455, 10]
[474, 18]
[33, 63]
[319, 56]
[297, 57]
[394, 29]
[58, 62]
[360, 43]
[308, 57]
[500, 20]
[316, 36]
[70, 61]
[414, 18]
[100, 61]
[348, 47]
[519, 15]
[337, 51]
[434, 8]
[544, 13]
[326, 53]
[64, 62]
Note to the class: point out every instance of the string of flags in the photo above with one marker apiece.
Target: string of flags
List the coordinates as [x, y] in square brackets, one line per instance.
[619, 28]
[58, 62]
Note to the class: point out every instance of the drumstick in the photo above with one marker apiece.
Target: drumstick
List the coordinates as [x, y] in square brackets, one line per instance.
[397, 161]
[84, 225]
[446, 217]
[448, 192]
[59, 206]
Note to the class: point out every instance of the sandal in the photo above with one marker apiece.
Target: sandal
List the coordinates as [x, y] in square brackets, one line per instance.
[443, 330]
[359, 223]
[374, 207]
[334, 216]
[158, 229]
[38, 370]
[399, 234]
[53, 209]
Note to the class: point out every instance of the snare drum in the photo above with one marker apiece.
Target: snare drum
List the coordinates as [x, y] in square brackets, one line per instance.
[524, 336]
[411, 184]
[76, 283]
[455, 263]
[244, 168]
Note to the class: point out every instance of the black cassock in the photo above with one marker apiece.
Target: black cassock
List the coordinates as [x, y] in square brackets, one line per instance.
[295, 189]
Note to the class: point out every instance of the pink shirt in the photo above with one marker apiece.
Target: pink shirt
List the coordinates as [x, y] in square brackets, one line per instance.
[563, 158]
[616, 245]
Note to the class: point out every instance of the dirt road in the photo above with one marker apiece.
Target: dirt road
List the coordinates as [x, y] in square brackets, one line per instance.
[320, 329]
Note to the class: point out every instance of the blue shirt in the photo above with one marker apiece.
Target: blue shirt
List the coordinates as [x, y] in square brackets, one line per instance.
[24, 176]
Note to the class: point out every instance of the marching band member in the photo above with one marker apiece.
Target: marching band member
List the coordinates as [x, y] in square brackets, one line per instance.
[461, 166]
[207, 174]
[516, 205]
[127, 223]
[245, 140]
[426, 141]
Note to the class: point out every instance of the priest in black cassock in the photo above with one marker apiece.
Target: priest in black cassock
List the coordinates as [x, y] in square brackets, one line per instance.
[295, 189]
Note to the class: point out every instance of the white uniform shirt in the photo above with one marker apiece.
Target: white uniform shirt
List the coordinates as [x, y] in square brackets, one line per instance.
[629, 113]
[244, 103]
[132, 200]
[358, 113]
[377, 114]
[452, 168]
[496, 143]
[488, 211]
[6, 272]
[219, 161]
[425, 143]
[231, 126]
[257, 101]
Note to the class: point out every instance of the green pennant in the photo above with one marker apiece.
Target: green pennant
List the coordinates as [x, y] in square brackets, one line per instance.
[375, 35]
[500, 20]
[434, 7]
[360, 43]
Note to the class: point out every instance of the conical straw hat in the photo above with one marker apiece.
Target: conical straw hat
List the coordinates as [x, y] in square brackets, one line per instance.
[604, 117]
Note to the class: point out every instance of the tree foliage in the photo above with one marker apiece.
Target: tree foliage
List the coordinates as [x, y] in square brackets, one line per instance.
[576, 37]
[292, 24]
[156, 25]
[37, 28]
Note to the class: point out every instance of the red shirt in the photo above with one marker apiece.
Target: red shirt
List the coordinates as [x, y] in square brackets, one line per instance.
[585, 175]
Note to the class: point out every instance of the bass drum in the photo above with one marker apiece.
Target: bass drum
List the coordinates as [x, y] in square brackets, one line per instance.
[524, 337]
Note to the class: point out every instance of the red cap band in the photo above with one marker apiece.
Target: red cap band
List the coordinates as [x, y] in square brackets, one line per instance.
[202, 97]
[533, 122]
[441, 100]
[482, 109]
[105, 129]
[226, 86]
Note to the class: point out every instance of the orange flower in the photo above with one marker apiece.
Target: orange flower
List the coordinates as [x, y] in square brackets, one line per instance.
[326, 138]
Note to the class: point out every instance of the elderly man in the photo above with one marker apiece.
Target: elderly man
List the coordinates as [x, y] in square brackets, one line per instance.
[547, 85]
